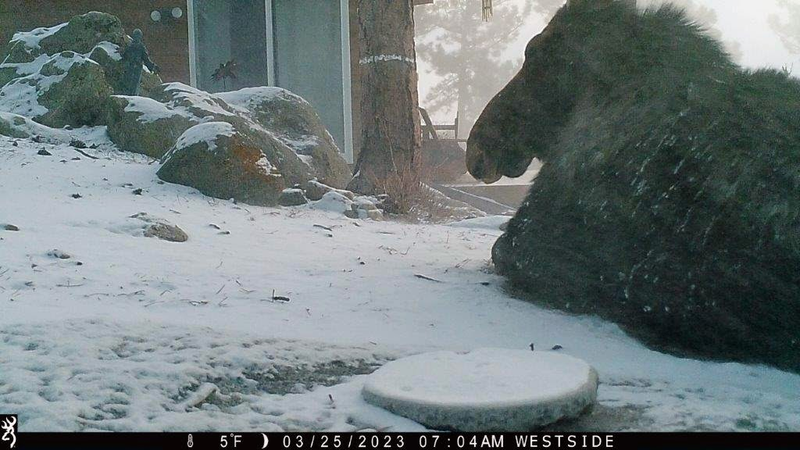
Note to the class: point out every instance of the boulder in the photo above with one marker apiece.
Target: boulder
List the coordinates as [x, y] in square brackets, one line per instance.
[484, 390]
[16, 126]
[195, 102]
[79, 99]
[285, 156]
[315, 190]
[155, 227]
[292, 197]
[65, 89]
[81, 34]
[295, 123]
[335, 202]
[220, 162]
[63, 75]
[142, 125]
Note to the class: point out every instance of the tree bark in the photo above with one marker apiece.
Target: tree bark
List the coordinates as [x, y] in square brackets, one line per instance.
[391, 136]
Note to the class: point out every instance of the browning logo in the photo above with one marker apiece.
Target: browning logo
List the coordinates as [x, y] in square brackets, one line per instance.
[8, 425]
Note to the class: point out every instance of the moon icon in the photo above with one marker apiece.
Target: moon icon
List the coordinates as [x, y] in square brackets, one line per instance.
[266, 441]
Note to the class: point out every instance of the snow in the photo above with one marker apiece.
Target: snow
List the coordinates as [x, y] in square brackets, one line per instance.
[31, 39]
[488, 222]
[302, 145]
[110, 48]
[31, 128]
[334, 202]
[525, 179]
[61, 60]
[21, 95]
[150, 110]
[486, 389]
[195, 98]
[130, 337]
[27, 68]
[249, 98]
[207, 132]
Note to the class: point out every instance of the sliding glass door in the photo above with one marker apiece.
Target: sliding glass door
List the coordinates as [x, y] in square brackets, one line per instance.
[308, 56]
[233, 33]
[300, 45]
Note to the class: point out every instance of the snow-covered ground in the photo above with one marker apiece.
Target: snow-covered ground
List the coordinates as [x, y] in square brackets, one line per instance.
[135, 333]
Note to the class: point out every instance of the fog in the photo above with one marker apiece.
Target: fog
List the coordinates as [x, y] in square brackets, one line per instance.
[744, 26]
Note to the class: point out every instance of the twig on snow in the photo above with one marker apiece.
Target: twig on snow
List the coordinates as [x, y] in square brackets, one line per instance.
[279, 298]
[85, 154]
[424, 277]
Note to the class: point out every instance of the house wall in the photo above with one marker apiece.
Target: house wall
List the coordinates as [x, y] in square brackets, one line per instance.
[168, 42]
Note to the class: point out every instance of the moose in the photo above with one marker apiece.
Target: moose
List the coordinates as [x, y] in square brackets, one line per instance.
[669, 200]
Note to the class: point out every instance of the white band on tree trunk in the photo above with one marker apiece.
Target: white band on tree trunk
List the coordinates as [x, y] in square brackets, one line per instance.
[385, 58]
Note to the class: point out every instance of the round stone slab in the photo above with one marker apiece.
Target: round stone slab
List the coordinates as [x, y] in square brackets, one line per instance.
[484, 390]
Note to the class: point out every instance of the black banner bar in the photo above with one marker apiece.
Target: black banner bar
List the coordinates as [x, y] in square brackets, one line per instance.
[434, 441]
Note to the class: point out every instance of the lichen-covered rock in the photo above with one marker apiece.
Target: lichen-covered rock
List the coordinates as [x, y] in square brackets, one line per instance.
[295, 123]
[79, 99]
[292, 197]
[669, 200]
[294, 162]
[68, 75]
[142, 125]
[193, 101]
[221, 162]
[315, 190]
[63, 75]
[335, 202]
[65, 89]
[16, 126]
[81, 34]
[158, 228]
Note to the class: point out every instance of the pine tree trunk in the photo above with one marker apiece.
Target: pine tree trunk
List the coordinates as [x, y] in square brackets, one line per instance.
[391, 136]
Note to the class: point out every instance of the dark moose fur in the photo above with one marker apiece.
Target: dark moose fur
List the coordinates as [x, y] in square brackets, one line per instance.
[670, 194]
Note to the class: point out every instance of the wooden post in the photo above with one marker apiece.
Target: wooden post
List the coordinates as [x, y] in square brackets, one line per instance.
[391, 136]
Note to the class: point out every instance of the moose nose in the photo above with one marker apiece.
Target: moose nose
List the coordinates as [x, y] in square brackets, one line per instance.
[475, 160]
[480, 165]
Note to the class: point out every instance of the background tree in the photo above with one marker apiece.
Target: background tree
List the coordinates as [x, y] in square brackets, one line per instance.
[787, 24]
[468, 53]
[705, 16]
[390, 129]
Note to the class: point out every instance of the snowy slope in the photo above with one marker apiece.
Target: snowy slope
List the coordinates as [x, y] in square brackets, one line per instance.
[149, 335]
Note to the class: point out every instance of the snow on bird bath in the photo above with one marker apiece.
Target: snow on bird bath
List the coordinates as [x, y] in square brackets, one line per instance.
[487, 389]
